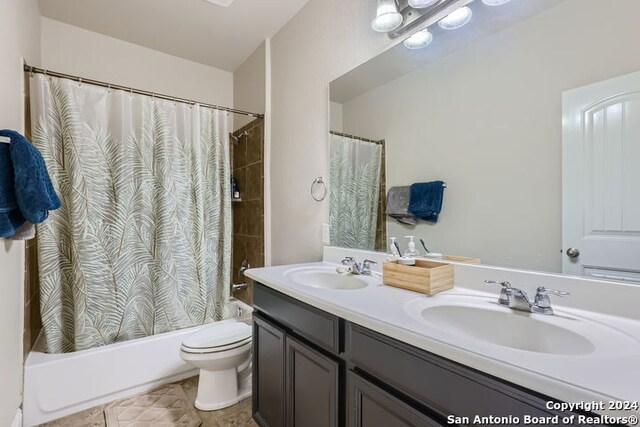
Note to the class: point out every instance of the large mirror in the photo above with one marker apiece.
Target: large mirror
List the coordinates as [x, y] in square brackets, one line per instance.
[531, 116]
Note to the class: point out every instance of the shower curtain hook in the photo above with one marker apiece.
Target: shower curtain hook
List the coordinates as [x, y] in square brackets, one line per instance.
[130, 92]
[80, 81]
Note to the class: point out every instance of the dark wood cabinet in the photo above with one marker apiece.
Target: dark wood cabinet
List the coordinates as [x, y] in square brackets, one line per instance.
[313, 369]
[269, 346]
[370, 406]
[296, 383]
[312, 387]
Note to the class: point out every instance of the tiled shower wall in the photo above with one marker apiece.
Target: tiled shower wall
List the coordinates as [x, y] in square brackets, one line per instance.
[32, 320]
[248, 213]
[381, 225]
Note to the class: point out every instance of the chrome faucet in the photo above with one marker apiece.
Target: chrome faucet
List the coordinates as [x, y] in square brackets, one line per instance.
[517, 299]
[363, 269]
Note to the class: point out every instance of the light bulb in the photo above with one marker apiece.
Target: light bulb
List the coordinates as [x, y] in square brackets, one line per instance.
[419, 40]
[456, 19]
[421, 4]
[495, 2]
[387, 17]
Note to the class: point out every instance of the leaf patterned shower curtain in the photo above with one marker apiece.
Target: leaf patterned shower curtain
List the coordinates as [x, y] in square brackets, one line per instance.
[142, 243]
[354, 172]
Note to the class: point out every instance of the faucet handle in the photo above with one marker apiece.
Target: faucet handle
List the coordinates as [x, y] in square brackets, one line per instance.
[504, 293]
[542, 296]
[347, 260]
[366, 266]
[506, 285]
[546, 291]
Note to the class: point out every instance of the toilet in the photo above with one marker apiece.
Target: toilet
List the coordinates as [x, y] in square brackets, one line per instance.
[222, 352]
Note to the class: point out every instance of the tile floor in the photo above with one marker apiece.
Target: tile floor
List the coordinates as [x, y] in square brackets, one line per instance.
[235, 416]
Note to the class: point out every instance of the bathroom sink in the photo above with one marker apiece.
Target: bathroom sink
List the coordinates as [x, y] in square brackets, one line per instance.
[458, 318]
[507, 329]
[325, 278]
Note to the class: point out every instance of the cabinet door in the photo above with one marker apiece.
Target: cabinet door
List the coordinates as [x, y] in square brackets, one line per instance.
[268, 373]
[370, 406]
[312, 387]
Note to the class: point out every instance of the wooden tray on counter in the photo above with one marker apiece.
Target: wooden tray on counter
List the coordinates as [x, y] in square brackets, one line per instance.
[428, 277]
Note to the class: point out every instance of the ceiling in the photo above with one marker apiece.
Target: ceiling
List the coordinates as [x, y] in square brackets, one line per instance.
[398, 61]
[222, 37]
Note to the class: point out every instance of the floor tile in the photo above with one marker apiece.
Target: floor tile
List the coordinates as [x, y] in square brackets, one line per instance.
[238, 415]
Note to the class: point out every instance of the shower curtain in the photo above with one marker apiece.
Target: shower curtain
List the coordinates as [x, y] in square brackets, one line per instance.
[354, 169]
[142, 243]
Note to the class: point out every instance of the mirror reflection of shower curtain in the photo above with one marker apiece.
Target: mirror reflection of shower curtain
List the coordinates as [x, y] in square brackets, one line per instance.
[354, 169]
[141, 245]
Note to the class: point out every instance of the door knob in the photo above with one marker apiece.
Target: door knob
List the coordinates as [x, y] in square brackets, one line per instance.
[573, 252]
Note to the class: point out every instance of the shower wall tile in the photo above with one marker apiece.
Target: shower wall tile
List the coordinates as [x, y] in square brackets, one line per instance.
[240, 175]
[253, 181]
[248, 214]
[239, 254]
[255, 218]
[255, 252]
[239, 151]
[255, 145]
[381, 226]
[239, 210]
[32, 319]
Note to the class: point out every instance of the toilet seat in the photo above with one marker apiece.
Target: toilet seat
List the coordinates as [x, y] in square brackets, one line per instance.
[218, 337]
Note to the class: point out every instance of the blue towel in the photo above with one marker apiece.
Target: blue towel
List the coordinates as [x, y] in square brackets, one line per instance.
[425, 200]
[26, 192]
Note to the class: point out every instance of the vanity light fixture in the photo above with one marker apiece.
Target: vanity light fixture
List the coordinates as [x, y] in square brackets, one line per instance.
[387, 17]
[421, 4]
[495, 2]
[456, 19]
[419, 40]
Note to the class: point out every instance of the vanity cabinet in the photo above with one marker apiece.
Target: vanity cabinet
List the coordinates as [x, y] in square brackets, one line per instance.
[268, 373]
[296, 377]
[313, 369]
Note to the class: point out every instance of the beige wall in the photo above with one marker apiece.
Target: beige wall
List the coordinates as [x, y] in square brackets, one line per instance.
[249, 88]
[323, 41]
[487, 120]
[77, 51]
[19, 37]
[335, 117]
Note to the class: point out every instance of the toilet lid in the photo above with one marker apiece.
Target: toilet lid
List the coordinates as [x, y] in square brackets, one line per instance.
[218, 334]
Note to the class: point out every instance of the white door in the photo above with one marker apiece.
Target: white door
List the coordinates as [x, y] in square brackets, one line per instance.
[601, 180]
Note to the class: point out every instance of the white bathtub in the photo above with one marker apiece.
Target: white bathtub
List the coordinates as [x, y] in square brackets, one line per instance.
[56, 385]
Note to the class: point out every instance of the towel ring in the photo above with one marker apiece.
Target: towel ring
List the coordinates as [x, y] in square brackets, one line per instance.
[318, 189]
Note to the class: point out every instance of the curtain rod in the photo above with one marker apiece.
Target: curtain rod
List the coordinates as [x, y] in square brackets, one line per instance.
[79, 79]
[333, 132]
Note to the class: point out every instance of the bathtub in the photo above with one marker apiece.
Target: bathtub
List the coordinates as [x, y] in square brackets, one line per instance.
[56, 385]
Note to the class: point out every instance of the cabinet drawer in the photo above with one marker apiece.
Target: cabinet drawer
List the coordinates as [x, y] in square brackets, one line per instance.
[370, 406]
[321, 328]
[444, 386]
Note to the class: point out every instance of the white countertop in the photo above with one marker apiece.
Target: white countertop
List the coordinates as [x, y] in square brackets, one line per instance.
[609, 373]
